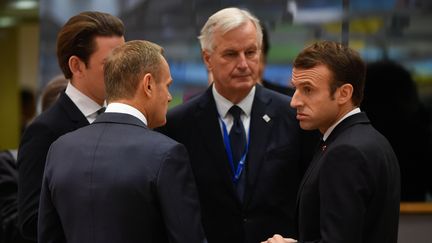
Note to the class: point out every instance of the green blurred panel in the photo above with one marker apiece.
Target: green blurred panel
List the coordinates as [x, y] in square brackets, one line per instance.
[9, 90]
[177, 99]
[284, 45]
[284, 53]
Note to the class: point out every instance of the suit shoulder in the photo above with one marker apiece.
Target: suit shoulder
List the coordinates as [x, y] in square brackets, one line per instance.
[363, 138]
[276, 95]
[46, 125]
[279, 102]
[54, 117]
[164, 139]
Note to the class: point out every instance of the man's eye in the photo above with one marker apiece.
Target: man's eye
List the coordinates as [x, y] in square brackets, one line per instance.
[251, 53]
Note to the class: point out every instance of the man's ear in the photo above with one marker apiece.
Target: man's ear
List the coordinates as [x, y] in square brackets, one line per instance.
[206, 58]
[148, 84]
[76, 65]
[345, 93]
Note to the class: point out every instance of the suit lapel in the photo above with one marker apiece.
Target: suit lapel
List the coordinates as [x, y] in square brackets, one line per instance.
[260, 131]
[75, 115]
[317, 156]
[348, 122]
[209, 132]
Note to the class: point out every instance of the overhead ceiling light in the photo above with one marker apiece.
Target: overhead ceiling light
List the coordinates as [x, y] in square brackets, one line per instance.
[24, 4]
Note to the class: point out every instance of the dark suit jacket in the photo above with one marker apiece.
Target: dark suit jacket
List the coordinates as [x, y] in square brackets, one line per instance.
[119, 182]
[8, 197]
[64, 116]
[351, 190]
[273, 168]
[286, 90]
[9, 232]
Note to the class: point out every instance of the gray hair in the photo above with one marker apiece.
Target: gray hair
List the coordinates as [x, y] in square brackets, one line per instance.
[225, 20]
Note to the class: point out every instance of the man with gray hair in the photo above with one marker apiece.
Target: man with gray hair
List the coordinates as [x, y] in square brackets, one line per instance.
[243, 139]
[121, 181]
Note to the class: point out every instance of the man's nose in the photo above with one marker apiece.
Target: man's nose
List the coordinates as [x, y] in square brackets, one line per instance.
[295, 102]
[242, 61]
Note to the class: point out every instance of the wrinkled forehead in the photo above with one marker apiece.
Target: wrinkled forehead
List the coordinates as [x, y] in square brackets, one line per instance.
[315, 76]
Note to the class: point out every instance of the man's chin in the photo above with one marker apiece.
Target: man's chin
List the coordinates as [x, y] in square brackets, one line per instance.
[245, 84]
[306, 126]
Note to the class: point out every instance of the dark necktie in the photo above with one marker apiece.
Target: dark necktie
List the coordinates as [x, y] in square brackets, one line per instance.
[237, 135]
[238, 145]
[101, 110]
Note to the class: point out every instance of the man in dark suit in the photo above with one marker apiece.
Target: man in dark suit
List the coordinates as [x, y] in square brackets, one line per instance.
[243, 139]
[350, 192]
[82, 45]
[121, 181]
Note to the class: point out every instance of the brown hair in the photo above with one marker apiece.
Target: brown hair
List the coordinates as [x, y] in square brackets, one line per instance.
[76, 37]
[128, 64]
[344, 63]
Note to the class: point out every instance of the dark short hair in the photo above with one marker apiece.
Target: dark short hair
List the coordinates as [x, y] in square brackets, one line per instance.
[76, 37]
[344, 63]
[265, 41]
[127, 65]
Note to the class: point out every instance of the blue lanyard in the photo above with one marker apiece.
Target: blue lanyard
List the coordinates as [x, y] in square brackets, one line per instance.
[237, 172]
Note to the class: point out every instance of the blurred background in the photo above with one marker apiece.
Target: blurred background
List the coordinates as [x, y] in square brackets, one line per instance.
[386, 29]
[397, 30]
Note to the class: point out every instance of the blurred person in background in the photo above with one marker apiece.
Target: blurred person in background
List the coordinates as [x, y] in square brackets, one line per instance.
[52, 91]
[9, 231]
[28, 107]
[263, 61]
[403, 119]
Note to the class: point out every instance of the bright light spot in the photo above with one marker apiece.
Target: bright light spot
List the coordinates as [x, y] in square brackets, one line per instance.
[7, 22]
[24, 4]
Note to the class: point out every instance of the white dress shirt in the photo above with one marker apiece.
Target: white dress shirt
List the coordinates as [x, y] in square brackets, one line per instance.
[87, 106]
[223, 105]
[330, 129]
[125, 109]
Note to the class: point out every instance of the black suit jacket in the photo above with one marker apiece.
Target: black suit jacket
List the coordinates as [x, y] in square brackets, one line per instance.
[351, 190]
[274, 167]
[64, 116]
[120, 182]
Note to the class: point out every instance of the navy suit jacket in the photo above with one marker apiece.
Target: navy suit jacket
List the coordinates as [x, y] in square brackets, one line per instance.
[274, 167]
[63, 117]
[118, 181]
[351, 191]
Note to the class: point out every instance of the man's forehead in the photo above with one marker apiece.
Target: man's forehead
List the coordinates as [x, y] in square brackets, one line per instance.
[304, 76]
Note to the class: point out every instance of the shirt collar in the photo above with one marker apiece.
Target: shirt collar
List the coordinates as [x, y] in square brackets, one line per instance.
[330, 129]
[86, 105]
[223, 104]
[126, 109]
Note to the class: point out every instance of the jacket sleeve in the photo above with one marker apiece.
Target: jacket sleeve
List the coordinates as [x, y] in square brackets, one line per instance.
[31, 162]
[178, 197]
[50, 229]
